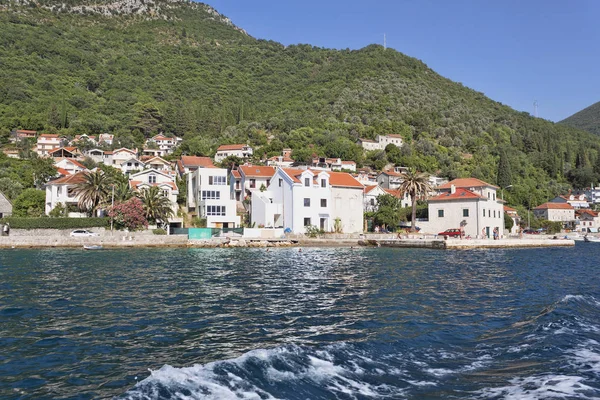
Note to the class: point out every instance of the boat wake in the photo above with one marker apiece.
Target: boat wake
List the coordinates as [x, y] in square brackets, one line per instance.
[555, 354]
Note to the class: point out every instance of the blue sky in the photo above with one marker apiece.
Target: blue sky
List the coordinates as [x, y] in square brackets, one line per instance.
[513, 51]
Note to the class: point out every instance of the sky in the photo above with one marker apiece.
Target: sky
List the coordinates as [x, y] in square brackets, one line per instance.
[514, 51]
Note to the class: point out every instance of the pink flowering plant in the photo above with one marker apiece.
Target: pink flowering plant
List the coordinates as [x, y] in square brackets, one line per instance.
[129, 215]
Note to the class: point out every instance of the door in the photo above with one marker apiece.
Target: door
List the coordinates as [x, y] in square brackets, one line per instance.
[487, 231]
[323, 223]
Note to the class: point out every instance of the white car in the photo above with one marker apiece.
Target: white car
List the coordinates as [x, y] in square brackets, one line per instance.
[83, 233]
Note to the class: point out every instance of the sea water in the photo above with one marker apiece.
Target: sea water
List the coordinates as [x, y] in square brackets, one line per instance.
[317, 324]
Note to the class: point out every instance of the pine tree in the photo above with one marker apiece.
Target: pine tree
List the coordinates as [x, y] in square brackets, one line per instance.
[504, 173]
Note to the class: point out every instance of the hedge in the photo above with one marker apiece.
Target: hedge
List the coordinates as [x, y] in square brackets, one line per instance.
[55, 223]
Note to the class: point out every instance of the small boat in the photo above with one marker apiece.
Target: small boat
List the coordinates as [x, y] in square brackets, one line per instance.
[591, 239]
[93, 247]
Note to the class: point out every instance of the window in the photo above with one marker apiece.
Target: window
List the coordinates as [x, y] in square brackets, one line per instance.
[323, 202]
[494, 196]
[151, 178]
[252, 183]
[215, 210]
[306, 221]
[465, 212]
[268, 182]
[372, 202]
[323, 183]
[484, 212]
[129, 164]
[280, 182]
[211, 195]
[165, 193]
[488, 195]
[307, 182]
[489, 213]
[440, 213]
[217, 180]
[306, 202]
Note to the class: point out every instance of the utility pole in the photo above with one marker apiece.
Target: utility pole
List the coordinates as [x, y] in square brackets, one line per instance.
[535, 108]
[384, 42]
[112, 206]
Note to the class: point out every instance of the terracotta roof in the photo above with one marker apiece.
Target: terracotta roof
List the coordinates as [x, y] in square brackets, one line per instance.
[341, 179]
[391, 172]
[194, 161]
[125, 150]
[395, 136]
[226, 147]
[69, 149]
[257, 171]
[349, 162]
[76, 163]
[509, 209]
[48, 136]
[459, 194]
[161, 137]
[466, 183]
[367, 140]
[108, 152]
[62, 171]
[395, 193]
[588, 212]
[28, 132]
[236, 173]
[554, 206]
[368, 189]
[69, 179]
[156, 158]
[283, 159]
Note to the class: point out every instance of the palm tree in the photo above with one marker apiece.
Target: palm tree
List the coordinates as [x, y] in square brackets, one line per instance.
[93, 190]
[123, 192]
[157, 207]
[416, 184]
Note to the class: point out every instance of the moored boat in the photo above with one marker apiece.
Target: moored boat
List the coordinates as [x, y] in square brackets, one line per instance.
[92, 247]
[591, 239]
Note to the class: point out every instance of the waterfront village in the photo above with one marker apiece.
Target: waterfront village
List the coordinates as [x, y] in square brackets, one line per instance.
[288, 198]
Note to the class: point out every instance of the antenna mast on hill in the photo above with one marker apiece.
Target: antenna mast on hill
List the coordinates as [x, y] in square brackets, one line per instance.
[535, 108]
[384, 43]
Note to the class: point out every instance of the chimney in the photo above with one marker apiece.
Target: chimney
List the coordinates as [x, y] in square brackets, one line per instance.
[452, 189]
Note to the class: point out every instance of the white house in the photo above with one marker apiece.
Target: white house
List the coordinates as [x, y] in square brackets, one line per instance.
[131, 165]
[121, 155]
[154, 152]
[389, 179]
[80, 139]
[61, 191]
[332, 164]
[167, 144]
[64, 152]
[70, 165]
[106, 139]
[556, 212]
[46, 143]
[298, 198]
[5, 206]
[467, 203]
[374, 191]
[512, 213]
[185, 166]
[166, 183]
[381, 141]
[157, 163]
[253, 177]
[284, 160]
[97, 155]
[242, 151]
[587, 220]
[577, 201]
[211, 198]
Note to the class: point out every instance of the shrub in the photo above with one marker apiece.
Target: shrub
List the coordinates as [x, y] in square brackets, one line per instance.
[159, 231]
[129, 215]
[55, 223]
[312, 231]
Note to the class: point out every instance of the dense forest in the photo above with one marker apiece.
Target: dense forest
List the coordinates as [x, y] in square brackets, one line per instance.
[587, 119]
[136, 68]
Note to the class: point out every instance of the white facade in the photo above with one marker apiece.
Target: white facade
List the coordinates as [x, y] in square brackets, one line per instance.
[97, 155]
[131, 166]
[254, 177]
[296, 199]
[211, 198]
[106, 139]
[381, 141]
[121, 155]
[47, 143]
[556, 212]
[166, 144]
[70, 165]
[165, 182]
[469, 204]
[238, 150]
[61, 191]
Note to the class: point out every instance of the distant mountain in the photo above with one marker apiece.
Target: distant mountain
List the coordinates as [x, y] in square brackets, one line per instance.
[587, 119]
[138, 67]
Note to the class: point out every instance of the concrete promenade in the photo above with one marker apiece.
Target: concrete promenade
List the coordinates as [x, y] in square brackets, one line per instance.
[451, 244]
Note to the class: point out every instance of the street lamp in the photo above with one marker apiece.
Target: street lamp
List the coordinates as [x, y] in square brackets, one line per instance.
[505, 187]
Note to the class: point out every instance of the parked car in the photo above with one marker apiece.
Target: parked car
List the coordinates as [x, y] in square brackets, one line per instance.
[450, 233]
[83, 233]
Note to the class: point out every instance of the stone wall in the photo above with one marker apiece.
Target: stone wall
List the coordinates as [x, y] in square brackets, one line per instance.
[117, 240]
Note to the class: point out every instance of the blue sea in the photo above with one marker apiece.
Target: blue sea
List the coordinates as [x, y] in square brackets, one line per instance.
[323, 323]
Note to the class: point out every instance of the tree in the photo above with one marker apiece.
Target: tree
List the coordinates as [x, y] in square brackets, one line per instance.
[43, 171]
[30, 203]
[504, 173]
[129, 215]
[417, 185]
[122, 192]
[230, 161]
[387, 213]
[94, 191]
[157, 208]
[508, 222]
[10, 188]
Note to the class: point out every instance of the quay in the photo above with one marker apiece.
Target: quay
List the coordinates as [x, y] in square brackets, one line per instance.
[457, 244]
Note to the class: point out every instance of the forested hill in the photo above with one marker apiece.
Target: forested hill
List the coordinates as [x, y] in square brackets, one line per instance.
[587, 119]
[136, 67]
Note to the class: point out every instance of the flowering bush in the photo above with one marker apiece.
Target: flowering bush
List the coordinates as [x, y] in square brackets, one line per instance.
[129, 215]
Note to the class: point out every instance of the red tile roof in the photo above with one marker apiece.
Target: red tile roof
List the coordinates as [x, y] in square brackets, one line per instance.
[466, 183]
[77, 163]
[395, 193]
[25, 131]
[459, 194]
[48, 136]
[509, 209]
[368, 189]
[62, 171]
[194, 161]
[395, 136]
[391, 172]
[69, 179]
[340, 179]
[588, 212]
[236, 174]
[257, 171]
[68, 149]
[226, 147]
[554, 206]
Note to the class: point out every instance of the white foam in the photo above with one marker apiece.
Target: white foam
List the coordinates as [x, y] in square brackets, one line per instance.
[542, 387]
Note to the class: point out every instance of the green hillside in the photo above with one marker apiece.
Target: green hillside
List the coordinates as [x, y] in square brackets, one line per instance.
[136, 68]
[587, 119]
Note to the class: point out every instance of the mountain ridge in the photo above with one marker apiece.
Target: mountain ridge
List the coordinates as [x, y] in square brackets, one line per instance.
[198, 77]
[587, 119]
